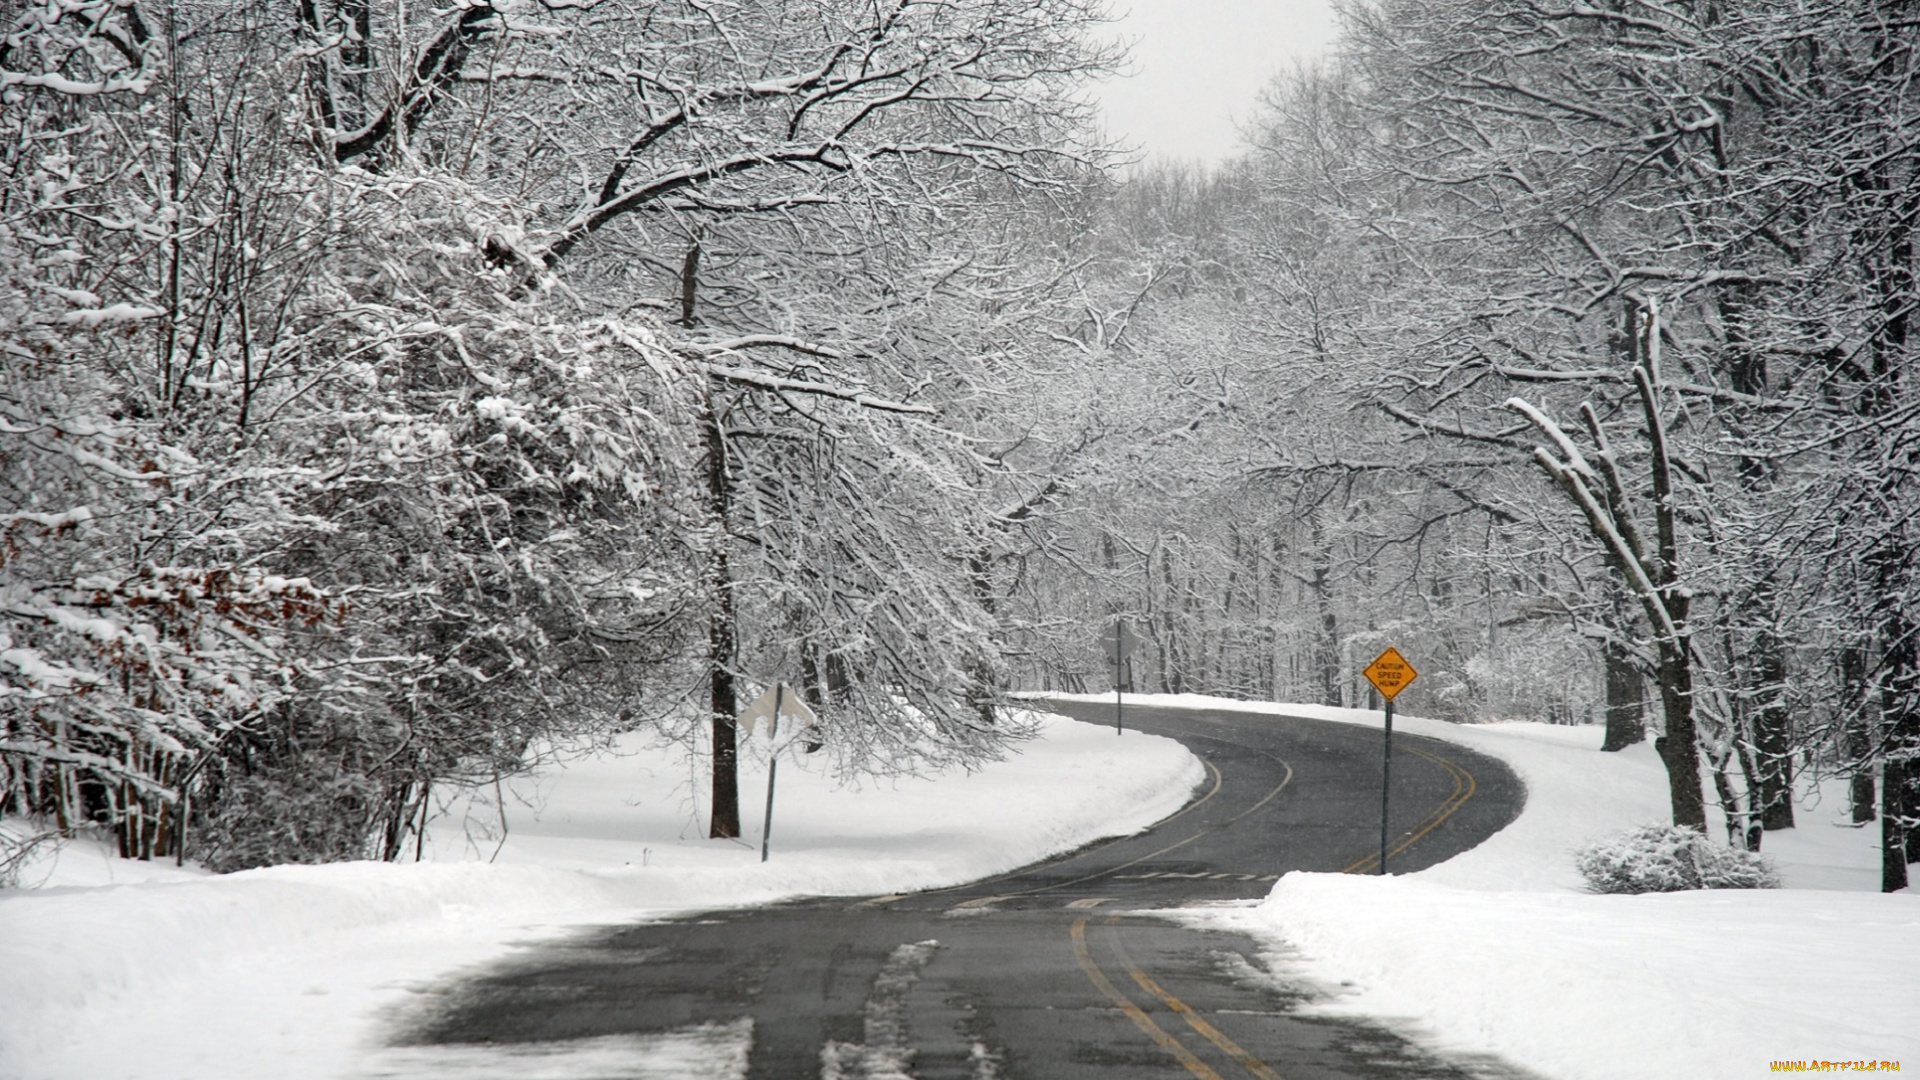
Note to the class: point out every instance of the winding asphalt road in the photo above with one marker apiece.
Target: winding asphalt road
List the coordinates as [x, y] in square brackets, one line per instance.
[1058, 971]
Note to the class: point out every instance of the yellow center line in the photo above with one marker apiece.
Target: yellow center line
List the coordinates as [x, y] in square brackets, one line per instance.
[1134, 1013]
[1218, 779]
[1271, 795]
[1464, 787]
[1186, 1012]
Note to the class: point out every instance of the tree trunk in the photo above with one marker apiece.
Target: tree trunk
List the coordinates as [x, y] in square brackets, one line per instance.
[1677, 748]
[1900, 753]
[1751, 835]
[1771, 742]
[1859, 734]
[985, 691]
[1765, 675]
[356, 63]
[1650, 571]
[689, 284]
[1174, 667]
[1895, 779]
[1680, 750]
[1626, 699]
[723, 703]
[1327, 647]
[1892, 269]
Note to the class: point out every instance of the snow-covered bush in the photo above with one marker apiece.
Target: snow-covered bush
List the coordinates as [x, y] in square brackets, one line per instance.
[1665, 858]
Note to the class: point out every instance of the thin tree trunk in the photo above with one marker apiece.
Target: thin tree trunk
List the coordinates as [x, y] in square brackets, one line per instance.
[723, 704]
[1892, 262]
[985, 691]
[689, 284]
[1750, 836]
[1651, 572]
[1899, 769]
[1174, 671]
[1327, 645]
[1773, 746]
[1765, 675]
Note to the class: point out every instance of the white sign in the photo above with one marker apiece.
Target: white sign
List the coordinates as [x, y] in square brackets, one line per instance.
[777, 701]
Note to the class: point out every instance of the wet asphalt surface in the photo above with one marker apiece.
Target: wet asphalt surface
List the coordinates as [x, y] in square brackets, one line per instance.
[1058, 971]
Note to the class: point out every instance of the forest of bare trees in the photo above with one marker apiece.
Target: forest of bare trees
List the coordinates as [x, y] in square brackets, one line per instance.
[391, 393]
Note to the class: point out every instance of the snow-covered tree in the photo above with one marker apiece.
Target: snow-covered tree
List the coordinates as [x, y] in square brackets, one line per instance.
[1566, 165]
[353, 450]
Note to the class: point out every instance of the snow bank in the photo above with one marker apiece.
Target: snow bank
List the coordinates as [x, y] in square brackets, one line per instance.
[289, 971]
[1579, 987]
[1500, 950]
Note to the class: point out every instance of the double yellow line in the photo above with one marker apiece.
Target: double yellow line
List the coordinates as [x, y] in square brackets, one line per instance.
[1160, 1036]
[1463, 789]
[1464, 786]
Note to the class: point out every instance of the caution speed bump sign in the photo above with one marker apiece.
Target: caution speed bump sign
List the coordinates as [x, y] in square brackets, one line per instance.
[1390, 673]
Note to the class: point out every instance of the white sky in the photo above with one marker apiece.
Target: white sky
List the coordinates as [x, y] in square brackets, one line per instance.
[1200, 64]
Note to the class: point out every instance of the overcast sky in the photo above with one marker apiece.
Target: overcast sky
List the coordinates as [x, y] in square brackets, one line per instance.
[1199, 66]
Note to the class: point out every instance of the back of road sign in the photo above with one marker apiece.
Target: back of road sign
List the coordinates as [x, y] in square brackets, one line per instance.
[1119, 642]
[762, 712]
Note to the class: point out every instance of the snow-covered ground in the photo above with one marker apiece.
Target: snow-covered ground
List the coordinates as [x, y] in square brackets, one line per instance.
[111, 970]
[1501, 951]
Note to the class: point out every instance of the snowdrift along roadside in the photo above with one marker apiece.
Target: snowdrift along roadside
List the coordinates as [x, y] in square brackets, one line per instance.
[288, 971]
[1501, 951]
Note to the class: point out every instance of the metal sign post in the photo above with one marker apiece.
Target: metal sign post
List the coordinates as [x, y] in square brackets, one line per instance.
[1118, 643]
[1389, 673]
[773, 766]
[1386, 785]
[778, 700]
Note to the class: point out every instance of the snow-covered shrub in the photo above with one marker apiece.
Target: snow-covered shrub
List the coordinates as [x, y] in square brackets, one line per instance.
[294, 814]
[1665, 858]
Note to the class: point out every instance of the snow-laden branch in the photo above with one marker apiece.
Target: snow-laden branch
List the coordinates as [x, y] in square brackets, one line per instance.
[1616, 489]
[1716, 394]
[756, 341]
[1621, 555]
[762, 380]
[1575, 461]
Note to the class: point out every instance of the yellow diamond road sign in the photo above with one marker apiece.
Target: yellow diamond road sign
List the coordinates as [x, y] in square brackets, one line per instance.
[1390, 674]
